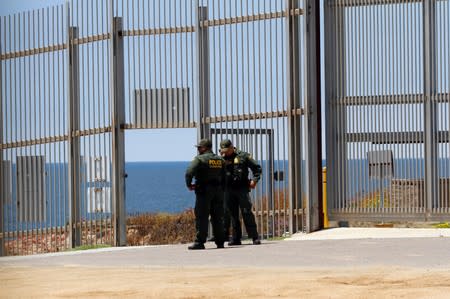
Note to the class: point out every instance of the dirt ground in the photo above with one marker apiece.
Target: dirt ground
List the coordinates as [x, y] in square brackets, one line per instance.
[207, 282]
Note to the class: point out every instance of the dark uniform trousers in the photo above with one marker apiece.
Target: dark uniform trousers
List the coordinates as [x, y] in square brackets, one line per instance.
[209, 201]
[235, 198]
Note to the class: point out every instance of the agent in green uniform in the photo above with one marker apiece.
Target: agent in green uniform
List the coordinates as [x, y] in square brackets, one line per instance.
[237, 189]
[208, 170]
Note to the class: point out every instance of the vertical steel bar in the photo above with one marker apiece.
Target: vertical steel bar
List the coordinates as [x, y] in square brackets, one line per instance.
[144, 86]
[159, 69]
[364, 92]
[258, 148]
[224, 98]
[51, 223]
[105, 122]
[398, 151]
[341, 106]
[220, 67]
[147, 83]
[118, 119]
[93, 139]
[5, 124]
[285, 104]
[313, 156]
[99, 218]
[420, 151]
[270, 229]
[446, 102]
[129, 64]
[264, 149]
[194, 22]
[84, 118]
[337, 33]
[58, 126]
[65, 58]
[48, 211]
[410, 99]
[30, 163]
[228, 70]
[429, 69]
[169, 74]
[203, 128]
[278, 226]
[33, 199]
[18, 128]
[185, 62]
[342, 112]
[21, 205]
[164, 67]
[134, 67]
[36, 224]
[294, 126]
[214, 96]
[2, 174]
[439, 91]
[330, 63]
[73, 112]
[397, 88]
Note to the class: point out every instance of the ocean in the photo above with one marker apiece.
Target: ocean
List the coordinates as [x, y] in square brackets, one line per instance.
[157, 187]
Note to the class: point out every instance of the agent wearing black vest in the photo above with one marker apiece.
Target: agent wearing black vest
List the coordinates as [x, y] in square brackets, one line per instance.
[208, 170]
[237, 188]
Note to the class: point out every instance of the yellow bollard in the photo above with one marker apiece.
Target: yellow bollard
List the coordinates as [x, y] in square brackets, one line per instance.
[324, 197]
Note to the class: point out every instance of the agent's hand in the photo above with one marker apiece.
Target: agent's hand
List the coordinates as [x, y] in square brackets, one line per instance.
[252, 184]
[191, 187]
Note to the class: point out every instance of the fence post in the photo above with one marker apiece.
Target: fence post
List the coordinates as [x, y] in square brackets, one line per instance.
[294, 124]
[118, 138]
[430, 117]
[335, 114]
[74, 141]
[203, 128]
[313, 128]
[2, 200]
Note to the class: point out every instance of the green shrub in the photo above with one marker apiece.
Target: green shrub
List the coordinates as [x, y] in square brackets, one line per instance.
[442, 225]
[87, 247]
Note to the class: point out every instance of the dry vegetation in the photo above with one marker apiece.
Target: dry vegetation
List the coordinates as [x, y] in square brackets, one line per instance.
[152, 229]
[144, 229]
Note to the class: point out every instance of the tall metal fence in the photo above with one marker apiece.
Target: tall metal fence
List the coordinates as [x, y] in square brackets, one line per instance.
[75, 77]
[387, 99]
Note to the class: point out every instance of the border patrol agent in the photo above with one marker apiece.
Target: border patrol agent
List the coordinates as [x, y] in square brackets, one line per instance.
[237, 189]
[208, 170]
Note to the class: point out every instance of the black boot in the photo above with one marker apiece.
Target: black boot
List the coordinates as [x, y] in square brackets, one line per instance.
[196, 246]
[234, 242]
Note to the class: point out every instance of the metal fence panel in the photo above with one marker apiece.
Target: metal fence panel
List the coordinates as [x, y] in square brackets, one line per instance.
[387, 91]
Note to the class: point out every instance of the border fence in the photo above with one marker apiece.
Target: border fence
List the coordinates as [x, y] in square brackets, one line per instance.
[75, 77]
[387, 98]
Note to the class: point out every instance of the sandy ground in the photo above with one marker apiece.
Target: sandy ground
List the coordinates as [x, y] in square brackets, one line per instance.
[209, 282]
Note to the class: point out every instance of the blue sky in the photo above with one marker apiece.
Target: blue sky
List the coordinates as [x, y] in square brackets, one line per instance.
[14, 6]
[141, 145]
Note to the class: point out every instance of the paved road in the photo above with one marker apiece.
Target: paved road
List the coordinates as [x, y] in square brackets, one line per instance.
[430, 251]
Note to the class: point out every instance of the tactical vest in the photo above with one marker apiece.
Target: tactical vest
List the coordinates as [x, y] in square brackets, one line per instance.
[237, 170]
[210, 171]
